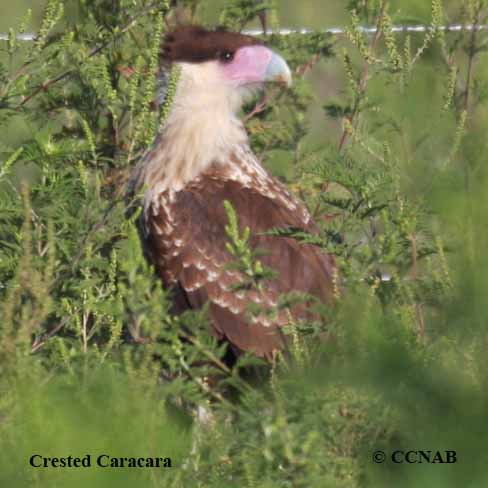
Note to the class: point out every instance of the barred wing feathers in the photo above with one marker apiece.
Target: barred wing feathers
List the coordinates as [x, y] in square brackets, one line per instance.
[186, 240]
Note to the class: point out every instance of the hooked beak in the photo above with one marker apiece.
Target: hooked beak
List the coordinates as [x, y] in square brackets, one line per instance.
[278, 71]
[257, 64]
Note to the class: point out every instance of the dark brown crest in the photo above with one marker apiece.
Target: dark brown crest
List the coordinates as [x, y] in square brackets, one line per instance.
[195, 44]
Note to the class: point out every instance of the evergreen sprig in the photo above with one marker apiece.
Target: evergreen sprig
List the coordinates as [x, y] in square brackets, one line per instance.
[394, 176]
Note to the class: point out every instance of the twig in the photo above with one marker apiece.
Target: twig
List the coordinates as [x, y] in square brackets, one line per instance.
[214, 359]
[363, 82]
[414, 274]
[45, 86]
[260, 106]
[304, 68]
[95, 228]
[40, 341]
[471, 56]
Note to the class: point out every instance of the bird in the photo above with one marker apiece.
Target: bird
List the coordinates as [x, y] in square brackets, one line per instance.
[201, 158]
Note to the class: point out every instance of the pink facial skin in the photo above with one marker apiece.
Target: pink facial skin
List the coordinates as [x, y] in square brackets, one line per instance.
[248, 66]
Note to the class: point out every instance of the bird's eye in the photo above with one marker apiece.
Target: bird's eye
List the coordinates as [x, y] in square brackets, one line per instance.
[226, 56]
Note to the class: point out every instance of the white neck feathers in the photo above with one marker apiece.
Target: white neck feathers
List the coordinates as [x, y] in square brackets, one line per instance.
[201, 129]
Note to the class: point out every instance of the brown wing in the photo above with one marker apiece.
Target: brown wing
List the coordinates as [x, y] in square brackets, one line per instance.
[186, 241]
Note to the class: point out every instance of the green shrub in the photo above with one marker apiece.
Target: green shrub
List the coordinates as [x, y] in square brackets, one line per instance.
[393, 170]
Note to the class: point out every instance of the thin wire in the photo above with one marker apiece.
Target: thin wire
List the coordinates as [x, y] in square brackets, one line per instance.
[335, 31]
[19, 37]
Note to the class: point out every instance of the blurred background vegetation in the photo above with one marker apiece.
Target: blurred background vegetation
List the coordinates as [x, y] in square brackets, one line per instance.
[382, 136]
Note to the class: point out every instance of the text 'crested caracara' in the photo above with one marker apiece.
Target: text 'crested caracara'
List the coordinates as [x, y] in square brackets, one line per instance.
[201, 158]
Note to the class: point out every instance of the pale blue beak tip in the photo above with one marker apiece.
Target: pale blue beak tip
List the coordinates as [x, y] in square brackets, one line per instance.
[278, 71]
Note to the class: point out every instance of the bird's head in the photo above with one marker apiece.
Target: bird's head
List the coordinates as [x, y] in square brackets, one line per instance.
[217, 71]
[222, 62]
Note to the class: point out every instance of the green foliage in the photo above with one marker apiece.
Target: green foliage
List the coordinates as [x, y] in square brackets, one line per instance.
[106, 411]
[91, 357]
[246, 259]
[238, 13]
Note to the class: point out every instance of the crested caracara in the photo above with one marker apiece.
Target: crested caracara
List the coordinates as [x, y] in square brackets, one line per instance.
[201, 157]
